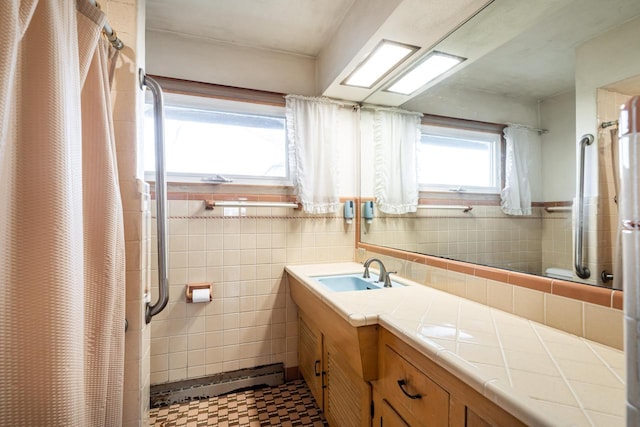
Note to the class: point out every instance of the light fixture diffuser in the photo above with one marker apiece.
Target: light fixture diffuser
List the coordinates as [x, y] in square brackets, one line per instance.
[384, 58]
[432, 66]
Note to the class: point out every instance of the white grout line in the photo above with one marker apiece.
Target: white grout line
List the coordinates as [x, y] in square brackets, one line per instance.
[504, 356]
[459, 311]
[611, 299]
[604, 362]
[564, 378]
[584, 318]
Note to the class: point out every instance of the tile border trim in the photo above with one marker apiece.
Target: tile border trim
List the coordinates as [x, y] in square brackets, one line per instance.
[592, 294]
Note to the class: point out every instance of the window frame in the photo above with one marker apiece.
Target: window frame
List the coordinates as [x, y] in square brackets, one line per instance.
[457, 124]
[200, 93]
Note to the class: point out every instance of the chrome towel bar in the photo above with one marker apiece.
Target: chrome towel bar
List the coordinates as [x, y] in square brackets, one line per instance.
[211, 204]
[463, 208]
[552, 209]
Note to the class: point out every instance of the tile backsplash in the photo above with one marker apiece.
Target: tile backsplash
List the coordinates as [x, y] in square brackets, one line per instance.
[586, 311]
[242, 251]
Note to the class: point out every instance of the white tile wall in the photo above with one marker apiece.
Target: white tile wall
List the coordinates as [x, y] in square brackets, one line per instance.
[126, 17]
[485, 235]
[252, 320]
[557, 240]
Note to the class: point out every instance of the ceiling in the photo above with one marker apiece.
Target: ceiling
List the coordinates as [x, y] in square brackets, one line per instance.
[538, 63]
[515, 48]
[300, 27]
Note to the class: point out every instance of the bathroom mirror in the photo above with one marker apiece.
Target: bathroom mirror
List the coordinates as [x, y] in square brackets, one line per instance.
[554, 65]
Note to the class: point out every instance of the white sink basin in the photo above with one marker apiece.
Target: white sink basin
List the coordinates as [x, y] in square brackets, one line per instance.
[352, 282]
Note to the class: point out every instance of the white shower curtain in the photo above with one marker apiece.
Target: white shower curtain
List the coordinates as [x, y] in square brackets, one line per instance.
[516, 194]
[61, 234]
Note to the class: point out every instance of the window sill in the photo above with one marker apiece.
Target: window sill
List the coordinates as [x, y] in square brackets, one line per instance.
[228, 191]
[234, 182]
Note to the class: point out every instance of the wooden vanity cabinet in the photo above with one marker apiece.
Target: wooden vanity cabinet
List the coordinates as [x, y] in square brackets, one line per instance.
[336, 359]
[347, 397]
[340, 392]
[412, 390]
[366, 376]
[389, 417]
[310, 358]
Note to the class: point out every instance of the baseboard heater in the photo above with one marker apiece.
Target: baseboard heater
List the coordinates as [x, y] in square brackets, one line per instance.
[215, 385]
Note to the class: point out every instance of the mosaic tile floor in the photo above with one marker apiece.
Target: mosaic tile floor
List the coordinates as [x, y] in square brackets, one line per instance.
[290, 404]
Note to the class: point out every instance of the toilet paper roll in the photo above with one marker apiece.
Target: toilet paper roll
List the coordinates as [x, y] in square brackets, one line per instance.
[201, 295]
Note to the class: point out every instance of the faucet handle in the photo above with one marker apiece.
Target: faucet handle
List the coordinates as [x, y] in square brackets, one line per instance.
[387, 278]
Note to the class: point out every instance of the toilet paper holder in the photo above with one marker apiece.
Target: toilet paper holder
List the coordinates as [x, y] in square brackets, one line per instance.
[193, 286]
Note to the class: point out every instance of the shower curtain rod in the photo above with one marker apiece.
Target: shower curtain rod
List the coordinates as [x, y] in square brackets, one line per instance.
[528, 127]
[108, 31]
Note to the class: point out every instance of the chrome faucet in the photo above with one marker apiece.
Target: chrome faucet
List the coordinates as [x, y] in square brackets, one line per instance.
[387, 278]
[383, 276]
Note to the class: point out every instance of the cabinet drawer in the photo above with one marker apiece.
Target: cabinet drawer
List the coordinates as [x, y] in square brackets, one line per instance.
[412, 393]
[390, 417]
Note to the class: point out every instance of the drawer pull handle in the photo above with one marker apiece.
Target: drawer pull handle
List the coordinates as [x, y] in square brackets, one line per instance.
[315, 368]
[401, 384]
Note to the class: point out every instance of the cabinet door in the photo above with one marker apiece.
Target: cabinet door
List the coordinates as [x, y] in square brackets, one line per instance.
[390, 417]
[310, 358]
[347, 397]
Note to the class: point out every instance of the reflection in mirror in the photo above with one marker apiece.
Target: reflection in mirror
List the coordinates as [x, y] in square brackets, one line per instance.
[558, 70]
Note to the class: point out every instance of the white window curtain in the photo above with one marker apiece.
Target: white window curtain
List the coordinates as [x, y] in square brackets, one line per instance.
[522, 156]
[396, 135]
[313, 138]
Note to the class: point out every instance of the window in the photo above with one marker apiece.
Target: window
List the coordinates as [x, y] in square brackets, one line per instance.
[453, 159]
[208, 138]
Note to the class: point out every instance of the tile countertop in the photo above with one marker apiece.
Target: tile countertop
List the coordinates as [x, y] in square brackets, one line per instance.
[541, 375]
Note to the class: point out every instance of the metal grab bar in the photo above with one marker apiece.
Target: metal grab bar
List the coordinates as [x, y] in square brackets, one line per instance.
[581, 270]
[161, 198]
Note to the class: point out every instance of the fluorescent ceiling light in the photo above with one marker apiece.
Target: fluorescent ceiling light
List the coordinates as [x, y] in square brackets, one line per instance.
[384, 58]
[433, 65]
